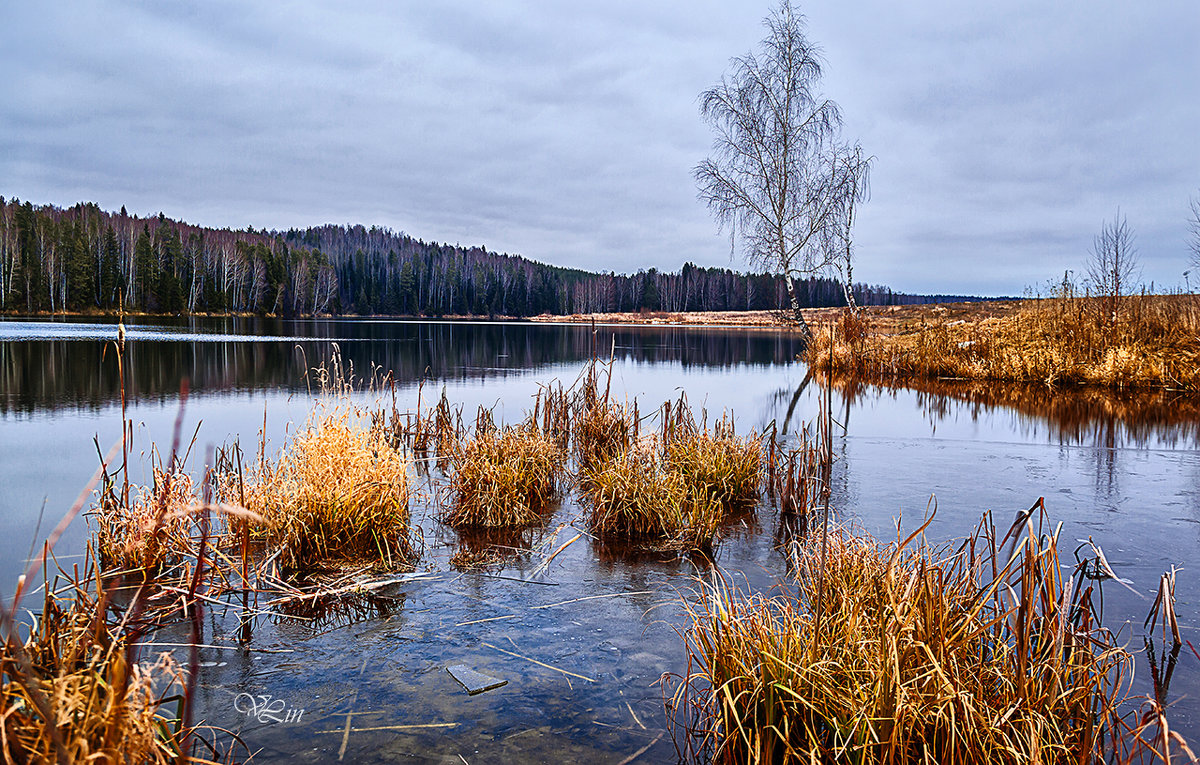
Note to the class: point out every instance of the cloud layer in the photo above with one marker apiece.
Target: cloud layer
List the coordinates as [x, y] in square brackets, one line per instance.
[567, 132]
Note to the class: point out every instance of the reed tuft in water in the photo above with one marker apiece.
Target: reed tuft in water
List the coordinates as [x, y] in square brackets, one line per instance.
[636, 496]
[718, 468]
[504, 478]
[69, 693]
[903, 653]
[153, 529]
[338, 493]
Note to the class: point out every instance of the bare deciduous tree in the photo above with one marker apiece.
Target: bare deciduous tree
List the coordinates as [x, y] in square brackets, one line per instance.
[1113, 268]
[773, 179]
[1194, 230]
[852, 176]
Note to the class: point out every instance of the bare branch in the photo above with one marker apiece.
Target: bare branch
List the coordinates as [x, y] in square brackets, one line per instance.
[775, 180]
[1194, 230]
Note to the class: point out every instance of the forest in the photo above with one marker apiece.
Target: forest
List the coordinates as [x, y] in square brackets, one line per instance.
[86, 260]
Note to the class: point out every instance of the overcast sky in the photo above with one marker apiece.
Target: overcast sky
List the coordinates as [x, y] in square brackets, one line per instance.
[567, 132]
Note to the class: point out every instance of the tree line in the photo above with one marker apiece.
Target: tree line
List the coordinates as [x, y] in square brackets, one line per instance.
[82, 258]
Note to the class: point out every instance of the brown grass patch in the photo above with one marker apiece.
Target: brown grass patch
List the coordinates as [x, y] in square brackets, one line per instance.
[338, 492]
[69, 695]
[1153, 342]
[153, 529]
[718, 468]
[903, 653]
[504, 478]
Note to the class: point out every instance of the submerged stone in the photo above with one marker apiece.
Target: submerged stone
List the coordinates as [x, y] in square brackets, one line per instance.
[474, 682]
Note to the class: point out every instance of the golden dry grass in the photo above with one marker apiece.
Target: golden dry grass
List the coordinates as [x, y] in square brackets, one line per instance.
[1153, 342]
[603, 431]
[504, 478]
[69, 695]
[718, 467]
[633, 495]
[902, 653]
[153, 529]
[338, 492]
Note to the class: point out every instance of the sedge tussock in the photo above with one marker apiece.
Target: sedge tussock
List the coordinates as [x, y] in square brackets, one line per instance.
[73, 666]
[602, 428]
[635, 496]
[898, 653]
[718, 468]
[153, 529]
[602, 432]
[338, 492]
[503, 478]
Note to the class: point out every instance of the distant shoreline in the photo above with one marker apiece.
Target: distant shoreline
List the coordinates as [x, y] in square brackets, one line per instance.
[885, 319]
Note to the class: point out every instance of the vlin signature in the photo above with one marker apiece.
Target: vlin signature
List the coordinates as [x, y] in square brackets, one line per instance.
[266, 709]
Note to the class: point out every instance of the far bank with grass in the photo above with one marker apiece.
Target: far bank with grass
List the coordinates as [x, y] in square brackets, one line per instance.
[1149, 341]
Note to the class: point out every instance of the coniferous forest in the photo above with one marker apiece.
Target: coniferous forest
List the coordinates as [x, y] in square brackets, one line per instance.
[83, 259]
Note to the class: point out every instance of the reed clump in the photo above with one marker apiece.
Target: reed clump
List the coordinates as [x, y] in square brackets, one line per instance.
[338, 492]
[602, 433]
[504, 478]
[718, 468]
[152, 529]
[636, 496]
[902, 653]
[1153, 341]
[70, 694]
[602, 428]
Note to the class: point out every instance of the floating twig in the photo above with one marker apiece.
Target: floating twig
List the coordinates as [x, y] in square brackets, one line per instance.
[540, 664]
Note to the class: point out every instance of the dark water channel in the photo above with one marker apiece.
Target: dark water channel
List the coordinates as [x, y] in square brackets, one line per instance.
[583, 648]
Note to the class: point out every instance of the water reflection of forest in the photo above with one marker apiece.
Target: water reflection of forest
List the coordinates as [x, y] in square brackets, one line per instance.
[48, 374]
[1089, 416]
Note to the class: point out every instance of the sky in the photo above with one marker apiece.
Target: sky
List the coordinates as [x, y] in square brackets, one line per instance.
[1004, 133]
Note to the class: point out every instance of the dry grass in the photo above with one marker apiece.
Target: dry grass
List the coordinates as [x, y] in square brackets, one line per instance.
[718, 468]
[504, 479]
[1154, 341]
[672, 488]
[602, 432]
[633, 495]
[69, 694]
[636, 496]
[902, 653]
[153, 529]
[338, 492]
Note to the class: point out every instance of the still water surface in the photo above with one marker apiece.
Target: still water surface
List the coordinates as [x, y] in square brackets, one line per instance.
[1125, 472]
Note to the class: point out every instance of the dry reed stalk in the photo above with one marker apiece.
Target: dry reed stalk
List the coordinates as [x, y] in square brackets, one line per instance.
[602, 428]
[551, 414]
[150, 531]
[912, 654]
[504, 478]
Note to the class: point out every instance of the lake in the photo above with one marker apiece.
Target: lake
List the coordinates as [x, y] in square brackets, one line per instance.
[583, 671]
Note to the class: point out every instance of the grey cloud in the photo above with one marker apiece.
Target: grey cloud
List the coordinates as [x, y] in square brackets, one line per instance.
[567, 132]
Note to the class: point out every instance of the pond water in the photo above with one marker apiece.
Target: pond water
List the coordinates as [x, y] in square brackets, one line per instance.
[583, 671]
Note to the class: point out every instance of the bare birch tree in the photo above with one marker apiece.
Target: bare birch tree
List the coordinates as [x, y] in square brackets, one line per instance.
[852, 179]
[1194, 230]
[772, 178]
[1113, 268]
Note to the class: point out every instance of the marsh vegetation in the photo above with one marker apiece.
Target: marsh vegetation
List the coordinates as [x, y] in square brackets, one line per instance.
[1150, 341]
[318, 530]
